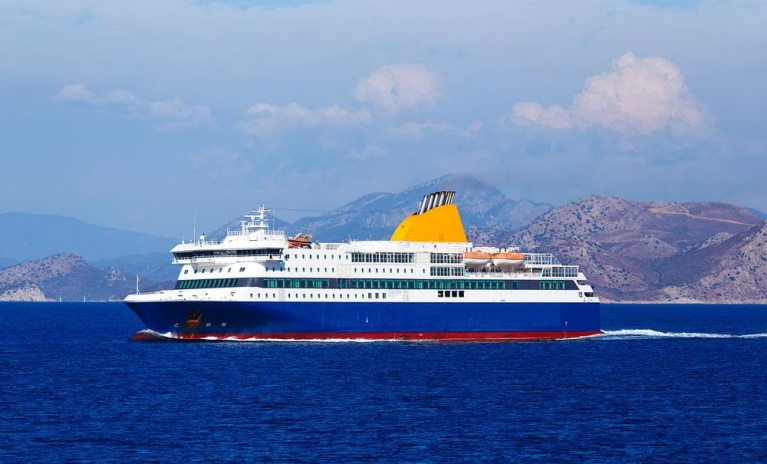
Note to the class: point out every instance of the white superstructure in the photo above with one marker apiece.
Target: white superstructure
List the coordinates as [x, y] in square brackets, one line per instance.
[256, 263]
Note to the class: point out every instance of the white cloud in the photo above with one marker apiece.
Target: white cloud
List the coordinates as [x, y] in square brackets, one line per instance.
[121, 97]
[399, 87]
[167, 114]
[391, 88]
[77, 93]
[268, 119]
[639, 96]
[174, 114]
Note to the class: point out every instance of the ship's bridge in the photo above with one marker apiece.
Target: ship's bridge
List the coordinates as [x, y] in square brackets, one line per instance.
[254, 241]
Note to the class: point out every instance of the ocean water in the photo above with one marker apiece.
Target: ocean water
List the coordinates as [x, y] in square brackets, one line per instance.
[666, 383]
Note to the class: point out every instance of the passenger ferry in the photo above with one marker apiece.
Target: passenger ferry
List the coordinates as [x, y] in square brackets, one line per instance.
[426, 283]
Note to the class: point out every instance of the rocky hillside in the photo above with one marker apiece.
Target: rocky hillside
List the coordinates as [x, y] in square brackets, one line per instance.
[64, 276]
[729, 270]
[656, 251]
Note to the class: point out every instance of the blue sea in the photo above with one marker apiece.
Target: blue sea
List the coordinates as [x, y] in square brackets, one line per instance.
[666, 383]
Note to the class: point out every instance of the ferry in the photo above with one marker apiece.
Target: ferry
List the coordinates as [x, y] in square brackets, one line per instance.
[427, 282]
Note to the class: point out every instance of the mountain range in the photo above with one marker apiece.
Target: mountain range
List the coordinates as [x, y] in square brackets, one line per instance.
[631, 251]
[375, 215]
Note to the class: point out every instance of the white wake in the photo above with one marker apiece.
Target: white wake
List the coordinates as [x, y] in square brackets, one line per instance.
[626, 334]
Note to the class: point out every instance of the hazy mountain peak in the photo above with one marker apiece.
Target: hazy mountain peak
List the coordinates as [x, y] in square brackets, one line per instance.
[376, 215]
[28, 236]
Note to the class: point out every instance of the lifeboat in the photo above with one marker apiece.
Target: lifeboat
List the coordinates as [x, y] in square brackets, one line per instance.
[300, 241]
[476, 259]
[508, 259]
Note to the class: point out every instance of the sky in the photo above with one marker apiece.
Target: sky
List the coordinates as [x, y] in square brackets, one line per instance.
[149, 116]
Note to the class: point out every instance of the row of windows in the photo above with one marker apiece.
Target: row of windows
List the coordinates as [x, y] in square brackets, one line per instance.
[303, 256]
[206, 283]
[415, 284]
[445, 258]
[383, 257]
[276, 252]
[296, 283]
[450, 293]
[398, 284]
[333, 295]
[370, 295]
[564, 271]
[202, 271]
[447, 271]
[551, 284]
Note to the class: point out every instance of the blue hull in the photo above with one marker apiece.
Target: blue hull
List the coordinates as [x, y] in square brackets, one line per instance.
[391, 320]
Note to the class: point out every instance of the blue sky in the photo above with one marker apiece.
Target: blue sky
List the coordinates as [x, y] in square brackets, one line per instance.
[135, 114]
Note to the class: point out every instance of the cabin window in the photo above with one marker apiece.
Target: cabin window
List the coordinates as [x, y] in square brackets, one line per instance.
[186, 271]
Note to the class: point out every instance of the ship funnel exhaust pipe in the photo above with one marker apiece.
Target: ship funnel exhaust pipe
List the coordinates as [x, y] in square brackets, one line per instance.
[433, 200]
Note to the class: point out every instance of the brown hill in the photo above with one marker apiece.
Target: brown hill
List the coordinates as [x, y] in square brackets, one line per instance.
[631, 251]
[732, 270]
[64, 276]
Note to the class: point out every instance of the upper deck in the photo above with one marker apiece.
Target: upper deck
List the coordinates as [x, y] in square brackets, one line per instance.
[256, 242]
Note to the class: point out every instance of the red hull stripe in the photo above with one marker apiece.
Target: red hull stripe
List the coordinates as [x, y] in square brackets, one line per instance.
[437, 336]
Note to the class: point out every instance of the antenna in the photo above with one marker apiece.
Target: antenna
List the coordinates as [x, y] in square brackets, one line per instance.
[194, 225]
